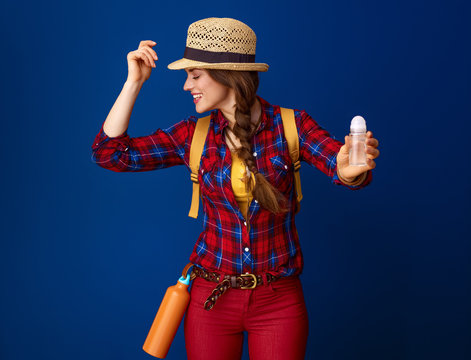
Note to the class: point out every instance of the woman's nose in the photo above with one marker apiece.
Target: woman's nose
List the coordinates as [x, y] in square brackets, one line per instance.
[187, 86]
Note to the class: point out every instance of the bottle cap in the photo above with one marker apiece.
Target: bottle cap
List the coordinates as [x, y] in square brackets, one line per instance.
[358, 125]
[185, 281]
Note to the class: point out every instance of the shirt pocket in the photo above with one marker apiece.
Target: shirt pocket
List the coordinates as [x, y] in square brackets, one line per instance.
[208, 170]
[279, 174]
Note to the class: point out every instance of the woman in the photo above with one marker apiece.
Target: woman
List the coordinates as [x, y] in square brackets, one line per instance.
[248, 258]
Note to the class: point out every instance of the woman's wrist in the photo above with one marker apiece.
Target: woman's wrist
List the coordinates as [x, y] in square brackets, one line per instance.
[353, 181]
[344, 179]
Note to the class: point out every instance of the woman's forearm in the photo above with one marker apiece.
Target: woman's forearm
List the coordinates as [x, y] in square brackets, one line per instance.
[117, 120]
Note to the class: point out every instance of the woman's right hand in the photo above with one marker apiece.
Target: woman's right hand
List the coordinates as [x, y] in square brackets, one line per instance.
[141, 61]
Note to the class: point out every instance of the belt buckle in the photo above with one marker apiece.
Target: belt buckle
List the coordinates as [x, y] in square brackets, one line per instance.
[254, 281]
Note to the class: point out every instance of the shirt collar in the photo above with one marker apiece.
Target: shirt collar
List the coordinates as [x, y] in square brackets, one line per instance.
[220, 122]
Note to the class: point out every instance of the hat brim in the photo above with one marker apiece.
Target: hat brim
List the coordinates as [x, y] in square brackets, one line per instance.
[187, 63]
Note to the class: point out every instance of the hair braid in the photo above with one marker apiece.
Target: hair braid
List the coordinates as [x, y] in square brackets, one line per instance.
[245, 85]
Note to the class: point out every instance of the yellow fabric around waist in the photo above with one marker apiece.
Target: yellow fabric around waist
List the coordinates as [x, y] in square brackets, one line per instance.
[239, 179]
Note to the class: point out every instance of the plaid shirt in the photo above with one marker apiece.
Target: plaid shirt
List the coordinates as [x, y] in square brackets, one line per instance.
[227, 245]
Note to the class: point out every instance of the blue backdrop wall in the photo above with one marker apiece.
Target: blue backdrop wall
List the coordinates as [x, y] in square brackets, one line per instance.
[87, 254]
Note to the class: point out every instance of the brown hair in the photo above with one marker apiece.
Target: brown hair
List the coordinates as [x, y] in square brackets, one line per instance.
[245, 85]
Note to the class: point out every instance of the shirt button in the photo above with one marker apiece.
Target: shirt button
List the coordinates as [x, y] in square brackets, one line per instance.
[255, 154]
[126, 149]
[202, 171]
[246, 249]
[256, 201]
[96, 144]
[286, 166]
[245, 223]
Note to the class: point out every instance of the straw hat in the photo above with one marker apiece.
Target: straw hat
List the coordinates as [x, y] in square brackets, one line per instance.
[219, 43]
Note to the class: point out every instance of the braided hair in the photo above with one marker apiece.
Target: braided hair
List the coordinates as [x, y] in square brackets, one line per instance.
[245, 85]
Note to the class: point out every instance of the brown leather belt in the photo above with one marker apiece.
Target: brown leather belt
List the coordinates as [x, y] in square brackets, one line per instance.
[242, 281]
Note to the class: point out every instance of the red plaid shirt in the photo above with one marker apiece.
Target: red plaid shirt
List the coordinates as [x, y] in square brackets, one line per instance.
[227, 245]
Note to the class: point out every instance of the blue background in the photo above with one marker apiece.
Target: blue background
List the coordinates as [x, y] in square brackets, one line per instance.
[87, 254]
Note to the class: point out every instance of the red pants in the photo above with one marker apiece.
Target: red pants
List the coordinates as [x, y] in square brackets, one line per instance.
[274, 316]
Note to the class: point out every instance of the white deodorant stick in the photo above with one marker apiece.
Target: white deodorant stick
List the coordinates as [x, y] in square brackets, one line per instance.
[357, 154]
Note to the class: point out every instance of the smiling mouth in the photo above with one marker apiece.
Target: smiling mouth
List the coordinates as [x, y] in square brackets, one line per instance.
[197, 98]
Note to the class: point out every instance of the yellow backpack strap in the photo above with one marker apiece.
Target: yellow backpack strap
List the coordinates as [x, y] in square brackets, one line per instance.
[291, 135]
[196, 149]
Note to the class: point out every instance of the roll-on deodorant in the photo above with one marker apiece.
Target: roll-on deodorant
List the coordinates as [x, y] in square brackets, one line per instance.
[357, 154]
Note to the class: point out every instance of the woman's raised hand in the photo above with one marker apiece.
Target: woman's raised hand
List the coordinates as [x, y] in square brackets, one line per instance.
[141, 61]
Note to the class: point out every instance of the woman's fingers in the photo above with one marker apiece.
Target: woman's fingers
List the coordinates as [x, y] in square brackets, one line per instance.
[141, 61]
[147, 43]
[140, 55]
[371, 152]
[147, 56]
[347, 143]
[371, 146]
[150, 51]
[370, 140]
[154, 54]
[145, 47]
[371, 163]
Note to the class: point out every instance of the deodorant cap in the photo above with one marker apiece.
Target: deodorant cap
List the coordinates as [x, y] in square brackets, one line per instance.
[185, 281]
[358, 125]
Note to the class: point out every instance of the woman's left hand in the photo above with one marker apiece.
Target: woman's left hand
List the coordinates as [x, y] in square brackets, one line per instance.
[348, 172]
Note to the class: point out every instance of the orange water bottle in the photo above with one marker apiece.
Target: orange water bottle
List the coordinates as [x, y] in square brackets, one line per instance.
[169, 317]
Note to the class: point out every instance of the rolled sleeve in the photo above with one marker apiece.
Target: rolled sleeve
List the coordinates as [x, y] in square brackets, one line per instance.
[162, 149]
[102, 138]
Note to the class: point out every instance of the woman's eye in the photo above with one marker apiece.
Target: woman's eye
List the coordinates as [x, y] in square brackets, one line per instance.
[196, 77]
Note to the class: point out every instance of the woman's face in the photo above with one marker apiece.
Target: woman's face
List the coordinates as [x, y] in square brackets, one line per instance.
[207, 93]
